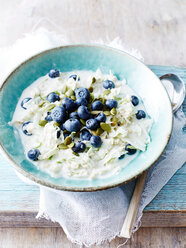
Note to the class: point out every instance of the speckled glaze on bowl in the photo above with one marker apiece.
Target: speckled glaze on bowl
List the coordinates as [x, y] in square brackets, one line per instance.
[86, 57]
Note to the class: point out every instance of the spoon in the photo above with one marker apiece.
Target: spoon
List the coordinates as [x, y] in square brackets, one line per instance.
[176, 90]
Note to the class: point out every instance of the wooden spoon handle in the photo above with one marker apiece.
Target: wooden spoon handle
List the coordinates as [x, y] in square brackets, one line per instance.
[133, 207]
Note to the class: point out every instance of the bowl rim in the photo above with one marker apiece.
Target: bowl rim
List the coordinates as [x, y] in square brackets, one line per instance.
[41, 182]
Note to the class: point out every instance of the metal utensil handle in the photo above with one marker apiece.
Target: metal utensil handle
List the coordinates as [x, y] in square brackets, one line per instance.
[175, 81]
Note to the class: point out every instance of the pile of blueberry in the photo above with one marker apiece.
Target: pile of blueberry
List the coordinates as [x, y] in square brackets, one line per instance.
[80, 113]
[72, 115]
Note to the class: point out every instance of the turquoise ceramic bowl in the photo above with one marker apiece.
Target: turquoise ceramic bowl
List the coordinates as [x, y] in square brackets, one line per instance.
[86, 57]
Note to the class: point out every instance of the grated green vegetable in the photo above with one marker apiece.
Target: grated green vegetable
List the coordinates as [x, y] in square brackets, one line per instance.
[69, 93]
[131, 147]
[41, 104]
[62, 146]
[91, 89]
[91, 99]
[57, 93]
[50, 157]
[106, 92]
[71, 145]
[93, 80]
[82, 121]
[68, 140]
[73, 97]
[76, 154]
[113, 111]
[42, 123]
[96, 112]
[105, 126]
[50, 107]
[107, 113]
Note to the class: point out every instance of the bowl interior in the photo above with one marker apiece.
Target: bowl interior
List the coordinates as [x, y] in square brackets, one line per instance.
[139, 78]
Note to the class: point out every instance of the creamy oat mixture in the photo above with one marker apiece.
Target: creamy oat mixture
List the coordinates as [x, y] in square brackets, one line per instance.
[81, 124]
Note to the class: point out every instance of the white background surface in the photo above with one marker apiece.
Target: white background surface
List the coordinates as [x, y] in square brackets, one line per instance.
[156, 27]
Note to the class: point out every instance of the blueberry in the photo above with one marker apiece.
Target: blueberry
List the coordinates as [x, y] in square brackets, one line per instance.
[111, 103]
[95, 141]
[25, 101]
[140, 114]
[82, 93]
[33, 154]
[135, 100]
[58, 114]
[52, 97]
[130, 149]
[62, 127]
[92, 116]
[97, 105]
[79, 147]
[58, 134]
[92, 124]
[121, 157]
[72, 125]
[53, 73]
[74, 77]
[24, 128]
[68, 104]
[101, 117]
[81, 101]
[107, 84]
[74, 115]
[85, 135]
[48, 117]
[83, 112]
